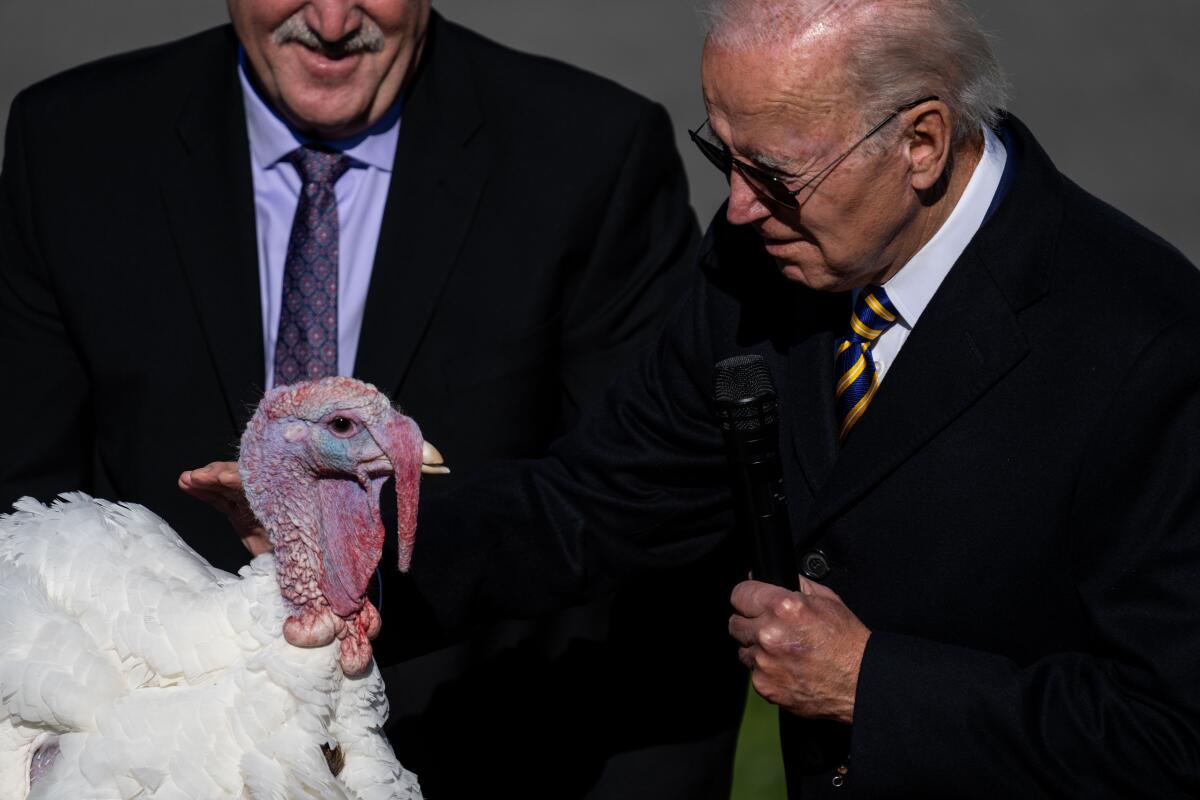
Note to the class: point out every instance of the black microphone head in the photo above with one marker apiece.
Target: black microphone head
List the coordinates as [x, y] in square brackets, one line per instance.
[742, 378]
[744, 393]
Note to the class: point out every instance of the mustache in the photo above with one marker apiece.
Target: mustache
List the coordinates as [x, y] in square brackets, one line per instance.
[368, 38]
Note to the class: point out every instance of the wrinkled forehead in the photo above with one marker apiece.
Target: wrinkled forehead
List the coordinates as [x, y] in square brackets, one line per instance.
[775, 99]
[315, 400]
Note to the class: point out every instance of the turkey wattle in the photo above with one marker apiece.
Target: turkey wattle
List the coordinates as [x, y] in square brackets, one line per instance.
[132, 668]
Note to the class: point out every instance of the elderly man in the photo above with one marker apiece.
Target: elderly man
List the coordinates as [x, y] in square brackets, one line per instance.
[990, 394]
[989, 387]
[361, 188]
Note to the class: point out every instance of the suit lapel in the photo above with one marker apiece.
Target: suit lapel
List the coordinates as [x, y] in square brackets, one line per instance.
[967, 339]
[441, 167]
[209, 199]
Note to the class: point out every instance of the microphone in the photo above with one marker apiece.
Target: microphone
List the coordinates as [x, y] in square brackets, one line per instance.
[746, 404]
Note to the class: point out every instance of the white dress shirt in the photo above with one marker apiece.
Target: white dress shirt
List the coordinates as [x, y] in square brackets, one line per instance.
[911, 289]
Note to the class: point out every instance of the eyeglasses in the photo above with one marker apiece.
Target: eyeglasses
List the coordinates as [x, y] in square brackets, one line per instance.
[772, 186]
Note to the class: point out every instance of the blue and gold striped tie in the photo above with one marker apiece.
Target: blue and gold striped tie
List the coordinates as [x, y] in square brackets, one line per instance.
[873, 314]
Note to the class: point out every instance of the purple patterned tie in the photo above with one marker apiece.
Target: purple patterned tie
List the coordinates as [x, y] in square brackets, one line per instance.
[307, 344]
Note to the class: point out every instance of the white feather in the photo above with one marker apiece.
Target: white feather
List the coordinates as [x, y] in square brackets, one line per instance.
[159, 676]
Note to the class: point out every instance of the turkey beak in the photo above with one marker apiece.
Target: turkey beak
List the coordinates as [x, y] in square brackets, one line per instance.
[432, 462]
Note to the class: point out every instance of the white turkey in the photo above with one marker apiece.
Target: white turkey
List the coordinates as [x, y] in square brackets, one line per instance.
[131, 668]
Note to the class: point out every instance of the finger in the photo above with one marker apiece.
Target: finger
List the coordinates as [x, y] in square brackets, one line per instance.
[216, 495]
[230, 478]
[742, 630]
[752, 598]
[189, 484]
[764, 686]
[213, 487]
[815, 589]
[196, 478]
[213, 470]
[749, 657]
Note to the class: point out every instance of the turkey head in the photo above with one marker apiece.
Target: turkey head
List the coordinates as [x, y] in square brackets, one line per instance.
[313, 462]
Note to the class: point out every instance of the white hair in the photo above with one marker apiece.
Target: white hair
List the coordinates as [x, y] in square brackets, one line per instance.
[893, 51]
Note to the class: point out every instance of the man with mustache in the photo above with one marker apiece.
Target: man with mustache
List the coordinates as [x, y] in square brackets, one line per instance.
[361, 188]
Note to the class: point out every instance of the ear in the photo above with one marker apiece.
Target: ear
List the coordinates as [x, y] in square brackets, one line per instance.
[929, 143]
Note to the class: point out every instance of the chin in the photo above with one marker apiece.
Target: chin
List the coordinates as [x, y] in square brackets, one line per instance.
[795, 274]
[328, 115]
[813, 276]
[327, 104]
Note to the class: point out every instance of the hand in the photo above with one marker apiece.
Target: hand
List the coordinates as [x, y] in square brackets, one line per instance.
[804, 649]
[219, 485]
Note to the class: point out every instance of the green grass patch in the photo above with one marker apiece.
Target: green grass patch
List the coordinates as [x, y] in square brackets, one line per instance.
[758, 766]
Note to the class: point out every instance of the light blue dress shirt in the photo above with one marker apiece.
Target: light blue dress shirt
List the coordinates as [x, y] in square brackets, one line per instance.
[361, 194]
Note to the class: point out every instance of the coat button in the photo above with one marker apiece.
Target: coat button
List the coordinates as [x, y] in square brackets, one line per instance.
[814, 564]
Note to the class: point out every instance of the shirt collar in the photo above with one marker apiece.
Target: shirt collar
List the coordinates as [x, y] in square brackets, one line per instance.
[911, 289]
[271, 138]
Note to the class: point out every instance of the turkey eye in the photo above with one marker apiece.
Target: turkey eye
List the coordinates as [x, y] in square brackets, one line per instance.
[341, 425]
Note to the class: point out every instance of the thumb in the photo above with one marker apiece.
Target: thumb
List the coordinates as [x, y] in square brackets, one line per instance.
[817, 589]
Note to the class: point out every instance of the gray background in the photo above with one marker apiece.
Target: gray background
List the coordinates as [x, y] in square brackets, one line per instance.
[1111, 88]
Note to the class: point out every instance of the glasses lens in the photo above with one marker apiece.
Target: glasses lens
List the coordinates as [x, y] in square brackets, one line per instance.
[764, 185]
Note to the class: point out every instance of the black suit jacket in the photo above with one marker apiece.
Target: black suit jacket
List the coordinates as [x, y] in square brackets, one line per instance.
[1016, 517]
[536, 228]
[534, 232]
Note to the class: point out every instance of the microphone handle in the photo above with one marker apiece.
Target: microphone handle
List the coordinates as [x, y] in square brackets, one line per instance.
[761, 507]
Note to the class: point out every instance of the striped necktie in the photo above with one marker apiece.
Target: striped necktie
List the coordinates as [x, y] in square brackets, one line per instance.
[857, 382]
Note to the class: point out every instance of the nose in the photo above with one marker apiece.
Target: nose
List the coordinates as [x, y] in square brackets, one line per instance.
[333, 19]
[745, 206]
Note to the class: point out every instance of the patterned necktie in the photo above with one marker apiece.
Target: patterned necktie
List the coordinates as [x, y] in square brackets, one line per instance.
[857, 382]
[306, 347]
